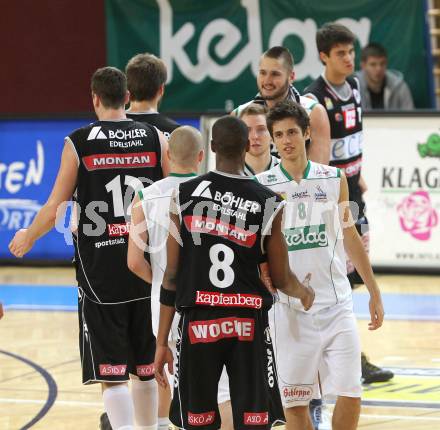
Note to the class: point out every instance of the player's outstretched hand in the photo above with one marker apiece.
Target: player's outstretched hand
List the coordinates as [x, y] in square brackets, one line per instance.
[163, 356]
[20, 245]
[309, 294]
[376, 312]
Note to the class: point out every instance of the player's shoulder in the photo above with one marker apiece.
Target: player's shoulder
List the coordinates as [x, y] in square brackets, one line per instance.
[271, 177]
[85, 132]
[322, 171]
[315, 87]
[308, 103]
[156, 189]
[239, 109]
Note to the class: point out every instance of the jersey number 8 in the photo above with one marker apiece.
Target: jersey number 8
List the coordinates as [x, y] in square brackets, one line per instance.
[223, 265]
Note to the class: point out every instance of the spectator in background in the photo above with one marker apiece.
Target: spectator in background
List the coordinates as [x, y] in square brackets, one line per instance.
[146, 77]
[1, 311]
[381, 88]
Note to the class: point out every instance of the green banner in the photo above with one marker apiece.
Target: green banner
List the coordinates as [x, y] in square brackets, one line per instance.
[212, 48]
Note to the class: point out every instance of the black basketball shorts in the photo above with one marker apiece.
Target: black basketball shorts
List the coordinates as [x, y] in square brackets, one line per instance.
[210, 338]
[115, 340]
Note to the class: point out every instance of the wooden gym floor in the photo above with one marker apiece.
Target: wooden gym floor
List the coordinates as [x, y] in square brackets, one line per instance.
[40, 379]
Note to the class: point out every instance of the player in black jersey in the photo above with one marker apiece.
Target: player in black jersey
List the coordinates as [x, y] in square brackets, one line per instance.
[227, 224]
[146, 77]
[104, 163]
[339, 93]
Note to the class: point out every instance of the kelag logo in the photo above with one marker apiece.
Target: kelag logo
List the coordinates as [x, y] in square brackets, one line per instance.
[311, 236]
[16, 213]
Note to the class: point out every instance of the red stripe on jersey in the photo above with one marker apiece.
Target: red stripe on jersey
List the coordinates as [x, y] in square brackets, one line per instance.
[215, 227]
[120, 161]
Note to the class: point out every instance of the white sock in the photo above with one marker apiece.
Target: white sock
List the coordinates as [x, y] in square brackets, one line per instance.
[163, 423]
[119, 407]
[144, 395]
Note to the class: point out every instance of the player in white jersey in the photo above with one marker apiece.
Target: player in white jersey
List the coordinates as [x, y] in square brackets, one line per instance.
[258, 158]
[317, 226]
[275, 83]
[150, 227]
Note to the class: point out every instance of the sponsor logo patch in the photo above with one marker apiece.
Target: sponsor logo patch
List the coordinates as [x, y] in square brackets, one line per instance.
[230, 300]
[201, 419]
[216, 227]
[255, 418]
[112, 370]
[311, 236]
[320, 194]
[112, 161]
[145, 369]
[223, 328]
[117, 230]
[292, 393]
[96, 133]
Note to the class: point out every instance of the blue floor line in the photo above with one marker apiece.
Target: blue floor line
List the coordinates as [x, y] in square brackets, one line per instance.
[420, 307]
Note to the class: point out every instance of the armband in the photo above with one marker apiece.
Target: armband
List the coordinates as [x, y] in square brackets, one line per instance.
[167, 297]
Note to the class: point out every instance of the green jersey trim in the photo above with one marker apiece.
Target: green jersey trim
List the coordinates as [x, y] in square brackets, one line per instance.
[306, 172]
[182, 175]
[141, 196]
[287, 174]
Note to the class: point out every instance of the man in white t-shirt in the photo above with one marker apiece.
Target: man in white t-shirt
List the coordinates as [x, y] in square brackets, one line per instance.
[150, 227]
[317, 226]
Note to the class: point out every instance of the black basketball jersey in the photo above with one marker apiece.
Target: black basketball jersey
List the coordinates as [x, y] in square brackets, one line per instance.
[116, 158]
[224, 219]
[345, 117]
[163, 123]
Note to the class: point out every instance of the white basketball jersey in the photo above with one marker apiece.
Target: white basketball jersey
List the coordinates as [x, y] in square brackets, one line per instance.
[313, 231]
[156, 205]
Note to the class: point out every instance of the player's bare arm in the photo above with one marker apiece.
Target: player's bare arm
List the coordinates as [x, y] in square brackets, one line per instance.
[164, 157]
[319, 150]
[137, 242]
[163, 352]
[282, 277]
[62, 192]
[1, 311]
[357, 254]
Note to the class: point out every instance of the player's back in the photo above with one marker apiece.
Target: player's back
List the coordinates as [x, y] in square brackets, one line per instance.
[163, 123]
[224, 219]
[115, 158]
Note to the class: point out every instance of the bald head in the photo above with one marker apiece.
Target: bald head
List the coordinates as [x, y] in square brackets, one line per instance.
[230, 137]
[185, 145]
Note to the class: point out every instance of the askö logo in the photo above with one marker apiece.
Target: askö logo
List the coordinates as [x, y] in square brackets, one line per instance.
[431, 148]
[417, 216]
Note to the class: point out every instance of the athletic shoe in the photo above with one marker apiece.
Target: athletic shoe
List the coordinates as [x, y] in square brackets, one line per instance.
[320, 416]
[104, 423]
[372, 373]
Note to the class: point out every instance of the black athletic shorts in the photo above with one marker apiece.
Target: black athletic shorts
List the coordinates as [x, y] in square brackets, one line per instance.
[115, 340]
[210, 338]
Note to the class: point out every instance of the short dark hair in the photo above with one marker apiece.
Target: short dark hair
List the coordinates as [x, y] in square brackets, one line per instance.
[332, 34]
[230, 136]
[373, 49]
[253, 109]
[287, 109]
[145, 74]
[110, 85]
[280, 52]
